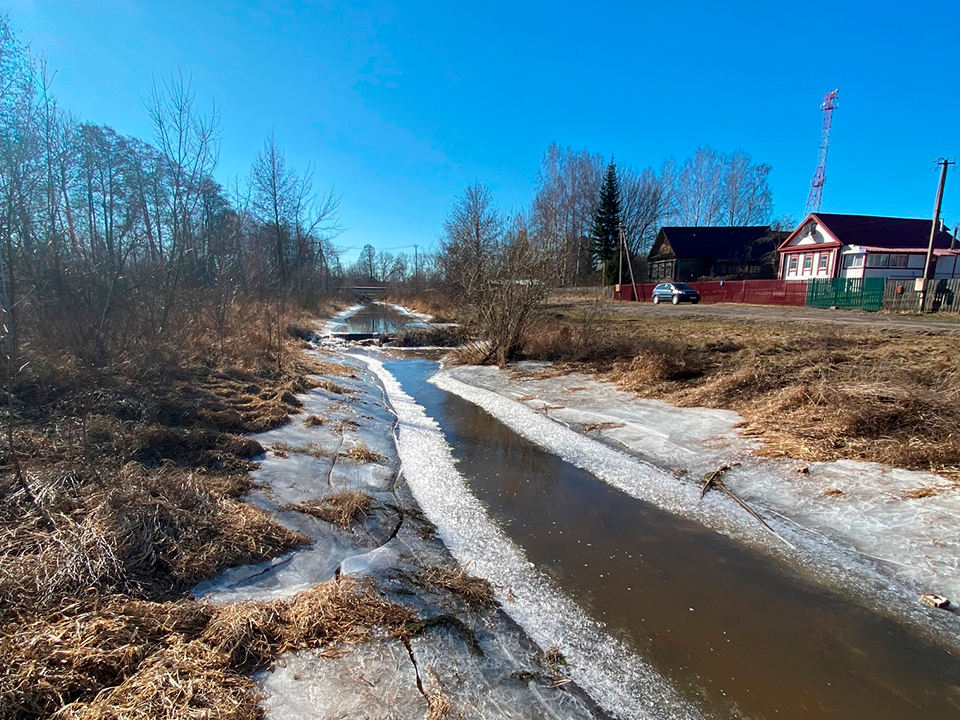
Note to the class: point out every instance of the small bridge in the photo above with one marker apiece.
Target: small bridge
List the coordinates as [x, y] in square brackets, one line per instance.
[369, 292]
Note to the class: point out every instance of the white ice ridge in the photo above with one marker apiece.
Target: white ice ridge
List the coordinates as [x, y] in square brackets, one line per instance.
[610, 672]
[812, 554]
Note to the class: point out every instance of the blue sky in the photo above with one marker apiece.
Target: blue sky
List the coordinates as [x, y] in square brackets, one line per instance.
[398, 105]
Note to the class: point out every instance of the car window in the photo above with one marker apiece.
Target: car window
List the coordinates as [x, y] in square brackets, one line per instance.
[683, 286]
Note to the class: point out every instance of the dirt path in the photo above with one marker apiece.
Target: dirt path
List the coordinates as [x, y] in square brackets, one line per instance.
[924, 325]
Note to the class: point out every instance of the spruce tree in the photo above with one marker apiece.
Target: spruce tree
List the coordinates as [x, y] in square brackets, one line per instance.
[605, 234]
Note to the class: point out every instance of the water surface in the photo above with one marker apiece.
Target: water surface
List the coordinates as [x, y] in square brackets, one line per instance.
[727, 625]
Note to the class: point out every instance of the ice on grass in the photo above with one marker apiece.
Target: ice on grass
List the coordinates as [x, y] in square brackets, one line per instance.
[307, 462]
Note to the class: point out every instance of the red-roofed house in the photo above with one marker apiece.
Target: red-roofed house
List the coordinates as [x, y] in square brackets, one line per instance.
[827, 245]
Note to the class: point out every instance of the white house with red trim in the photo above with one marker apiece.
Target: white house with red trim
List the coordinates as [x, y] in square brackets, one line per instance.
[828, 245]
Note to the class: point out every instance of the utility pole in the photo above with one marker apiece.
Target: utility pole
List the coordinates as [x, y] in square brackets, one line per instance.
[928, 267]
[416, 269]
[626, 250]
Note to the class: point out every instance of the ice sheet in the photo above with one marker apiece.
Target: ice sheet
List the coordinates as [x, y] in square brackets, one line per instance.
[309, 462]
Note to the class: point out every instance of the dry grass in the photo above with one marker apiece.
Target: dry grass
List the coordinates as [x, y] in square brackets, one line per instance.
[329, 386]
[136, 464]
[434, 303]
[439, 706]
[362, 454]
[314, 420]
[456, 580]
[919, 493]
[590, 427]
[128, 659]
[812, 393]
[342, 508]
[312, 448]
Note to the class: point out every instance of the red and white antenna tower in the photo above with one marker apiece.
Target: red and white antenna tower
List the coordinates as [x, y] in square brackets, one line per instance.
[829, 104]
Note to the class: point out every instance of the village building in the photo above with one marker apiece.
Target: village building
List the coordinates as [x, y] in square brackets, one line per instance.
[688, 254]
[828, 245]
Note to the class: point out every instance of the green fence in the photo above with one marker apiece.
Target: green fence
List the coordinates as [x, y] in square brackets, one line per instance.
[846, 293]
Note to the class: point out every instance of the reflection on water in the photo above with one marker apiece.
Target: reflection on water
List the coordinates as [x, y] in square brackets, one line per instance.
[376, 319]
[727, 625]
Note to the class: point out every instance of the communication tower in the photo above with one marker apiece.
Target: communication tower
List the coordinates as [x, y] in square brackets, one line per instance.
[829, 104]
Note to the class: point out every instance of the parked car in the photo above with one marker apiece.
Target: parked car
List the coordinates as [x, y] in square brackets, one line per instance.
[675, 292]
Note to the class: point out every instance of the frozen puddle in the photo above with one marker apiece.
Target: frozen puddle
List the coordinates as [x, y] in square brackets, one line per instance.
[615, 677]
[901, 546]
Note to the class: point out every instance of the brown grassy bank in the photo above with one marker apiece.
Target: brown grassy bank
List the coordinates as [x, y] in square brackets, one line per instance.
[120, 492]
[812, 392]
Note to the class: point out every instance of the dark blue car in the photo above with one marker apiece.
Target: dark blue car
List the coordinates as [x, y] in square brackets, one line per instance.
[675, 292]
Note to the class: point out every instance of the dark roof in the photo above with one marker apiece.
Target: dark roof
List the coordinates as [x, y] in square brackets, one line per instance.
[881, 232]
[749, 242]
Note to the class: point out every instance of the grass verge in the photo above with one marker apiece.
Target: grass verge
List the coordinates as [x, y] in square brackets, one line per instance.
[812, 393]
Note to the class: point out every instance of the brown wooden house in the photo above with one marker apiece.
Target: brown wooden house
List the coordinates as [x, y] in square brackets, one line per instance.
[688, 254]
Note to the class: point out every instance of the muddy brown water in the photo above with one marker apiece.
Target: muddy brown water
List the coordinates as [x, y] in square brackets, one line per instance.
[731, 628]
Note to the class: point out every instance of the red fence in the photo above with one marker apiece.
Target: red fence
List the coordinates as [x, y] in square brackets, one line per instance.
[753, 292]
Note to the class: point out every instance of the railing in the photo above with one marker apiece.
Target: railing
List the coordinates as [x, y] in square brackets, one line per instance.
[900, 296]
[870, 294]
[846, 293]
[754, 292]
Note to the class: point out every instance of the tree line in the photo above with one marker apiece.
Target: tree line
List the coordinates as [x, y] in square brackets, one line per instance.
[110, 242]
[498, 267]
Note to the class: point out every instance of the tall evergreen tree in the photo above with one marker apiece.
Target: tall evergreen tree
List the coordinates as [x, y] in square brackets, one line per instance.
[605, 234]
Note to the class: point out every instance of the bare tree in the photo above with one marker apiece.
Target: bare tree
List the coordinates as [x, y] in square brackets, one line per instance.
[747, 199]
[273, 196]
[644, 202]
[713, 188]
[495, 270]
[568, 185]
[188, 142]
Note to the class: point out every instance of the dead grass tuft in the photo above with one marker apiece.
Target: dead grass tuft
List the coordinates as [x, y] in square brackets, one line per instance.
[362, 454]
[315, 420]
[590, 427]
[919, 493]
[329, 386]
[186, 680]
[456, 580]
[123, 659]
[342, 508]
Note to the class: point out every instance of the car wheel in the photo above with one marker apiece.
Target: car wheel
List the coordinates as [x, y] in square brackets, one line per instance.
[656, 299]
[676, 299]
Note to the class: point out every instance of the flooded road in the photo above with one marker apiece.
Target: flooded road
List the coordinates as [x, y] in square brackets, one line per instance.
[730, 628]
[377, 319]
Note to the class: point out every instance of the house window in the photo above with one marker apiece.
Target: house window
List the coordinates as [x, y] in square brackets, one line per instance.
[807, 263]
[793, 263]
[878, 260]
[898, 261]
[823, 261]
[852, 261]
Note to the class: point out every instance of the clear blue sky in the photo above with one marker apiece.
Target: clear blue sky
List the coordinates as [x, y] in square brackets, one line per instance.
[398, 105]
